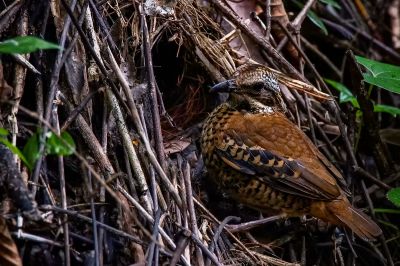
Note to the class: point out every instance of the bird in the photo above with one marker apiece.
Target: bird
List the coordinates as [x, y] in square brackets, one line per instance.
[261, 159]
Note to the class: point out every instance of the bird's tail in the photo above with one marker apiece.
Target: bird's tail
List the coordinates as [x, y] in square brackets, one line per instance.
[362, 225]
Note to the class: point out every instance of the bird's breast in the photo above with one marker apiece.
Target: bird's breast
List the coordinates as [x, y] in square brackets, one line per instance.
[215, 124]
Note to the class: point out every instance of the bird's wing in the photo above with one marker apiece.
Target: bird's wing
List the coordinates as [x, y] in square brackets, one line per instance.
[331, 168]
[274, 150]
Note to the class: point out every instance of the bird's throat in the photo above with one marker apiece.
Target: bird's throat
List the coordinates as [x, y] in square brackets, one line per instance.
[256, 105]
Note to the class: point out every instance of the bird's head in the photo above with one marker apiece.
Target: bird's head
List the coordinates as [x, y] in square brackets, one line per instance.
[254, 87]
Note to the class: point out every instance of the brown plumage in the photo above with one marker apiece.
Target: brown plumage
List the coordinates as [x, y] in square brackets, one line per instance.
[259, 157]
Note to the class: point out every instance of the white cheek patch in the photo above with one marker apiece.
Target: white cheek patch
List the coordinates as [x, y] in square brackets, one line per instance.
[271, 81]
[261, 108]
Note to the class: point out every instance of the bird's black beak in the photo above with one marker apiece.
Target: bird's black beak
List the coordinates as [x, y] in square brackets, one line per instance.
[225, 86]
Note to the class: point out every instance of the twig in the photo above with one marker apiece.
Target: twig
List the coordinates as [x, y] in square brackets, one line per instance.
[368, 37]
[296, 23]
[192, 213]
[150, 219]
[90, 221]
[229, 232]
[381, 237]
[303, 251]
[64, 205]
[78, 109]
[310, 119]
[324, 58]
[152, 246]
[267, 19]
[249, 225]
[363, 173]
[151, 84]
[96, 243]
[23, 61]
[104, 27]
[133, 158]
[183, 240]
[326, 139]
[308, 61]
[8, 14]
[204, 249]
[217, 234]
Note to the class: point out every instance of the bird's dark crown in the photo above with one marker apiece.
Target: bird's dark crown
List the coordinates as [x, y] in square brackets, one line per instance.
[254, 89]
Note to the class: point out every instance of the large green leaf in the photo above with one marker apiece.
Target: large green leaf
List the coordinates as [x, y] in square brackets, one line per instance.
[16, 151]
[394, 196]
[3, 132]
[387, 109]
[60, 145]
[31, 150]
[25, 44]
[347, 96]
[380, 74]
[345, 93]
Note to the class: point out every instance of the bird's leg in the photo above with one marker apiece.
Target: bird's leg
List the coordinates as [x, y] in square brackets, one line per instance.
[250, 225]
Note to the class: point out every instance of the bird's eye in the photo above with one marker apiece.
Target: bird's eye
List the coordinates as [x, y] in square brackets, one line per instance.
[257, 87]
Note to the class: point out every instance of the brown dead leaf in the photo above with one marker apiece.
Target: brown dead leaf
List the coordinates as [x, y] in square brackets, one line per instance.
[9, 255]
[244, 45]
[176, 145]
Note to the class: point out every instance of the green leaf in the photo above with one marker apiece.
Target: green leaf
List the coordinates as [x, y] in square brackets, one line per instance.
[31, 150]
[339, 86]
[386, 109]
[317, 21]
[313, 17]
[394, 211]
[57, 145]
[394, 196]
[332, 3]
[16, 151]
[345, 93]
[60, 145]
[380, 74]
[390, 84]
[25, 44]
[3, 132]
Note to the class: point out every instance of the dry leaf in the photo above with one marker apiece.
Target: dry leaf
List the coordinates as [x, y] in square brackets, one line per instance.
[9, 255]
[176, 145]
